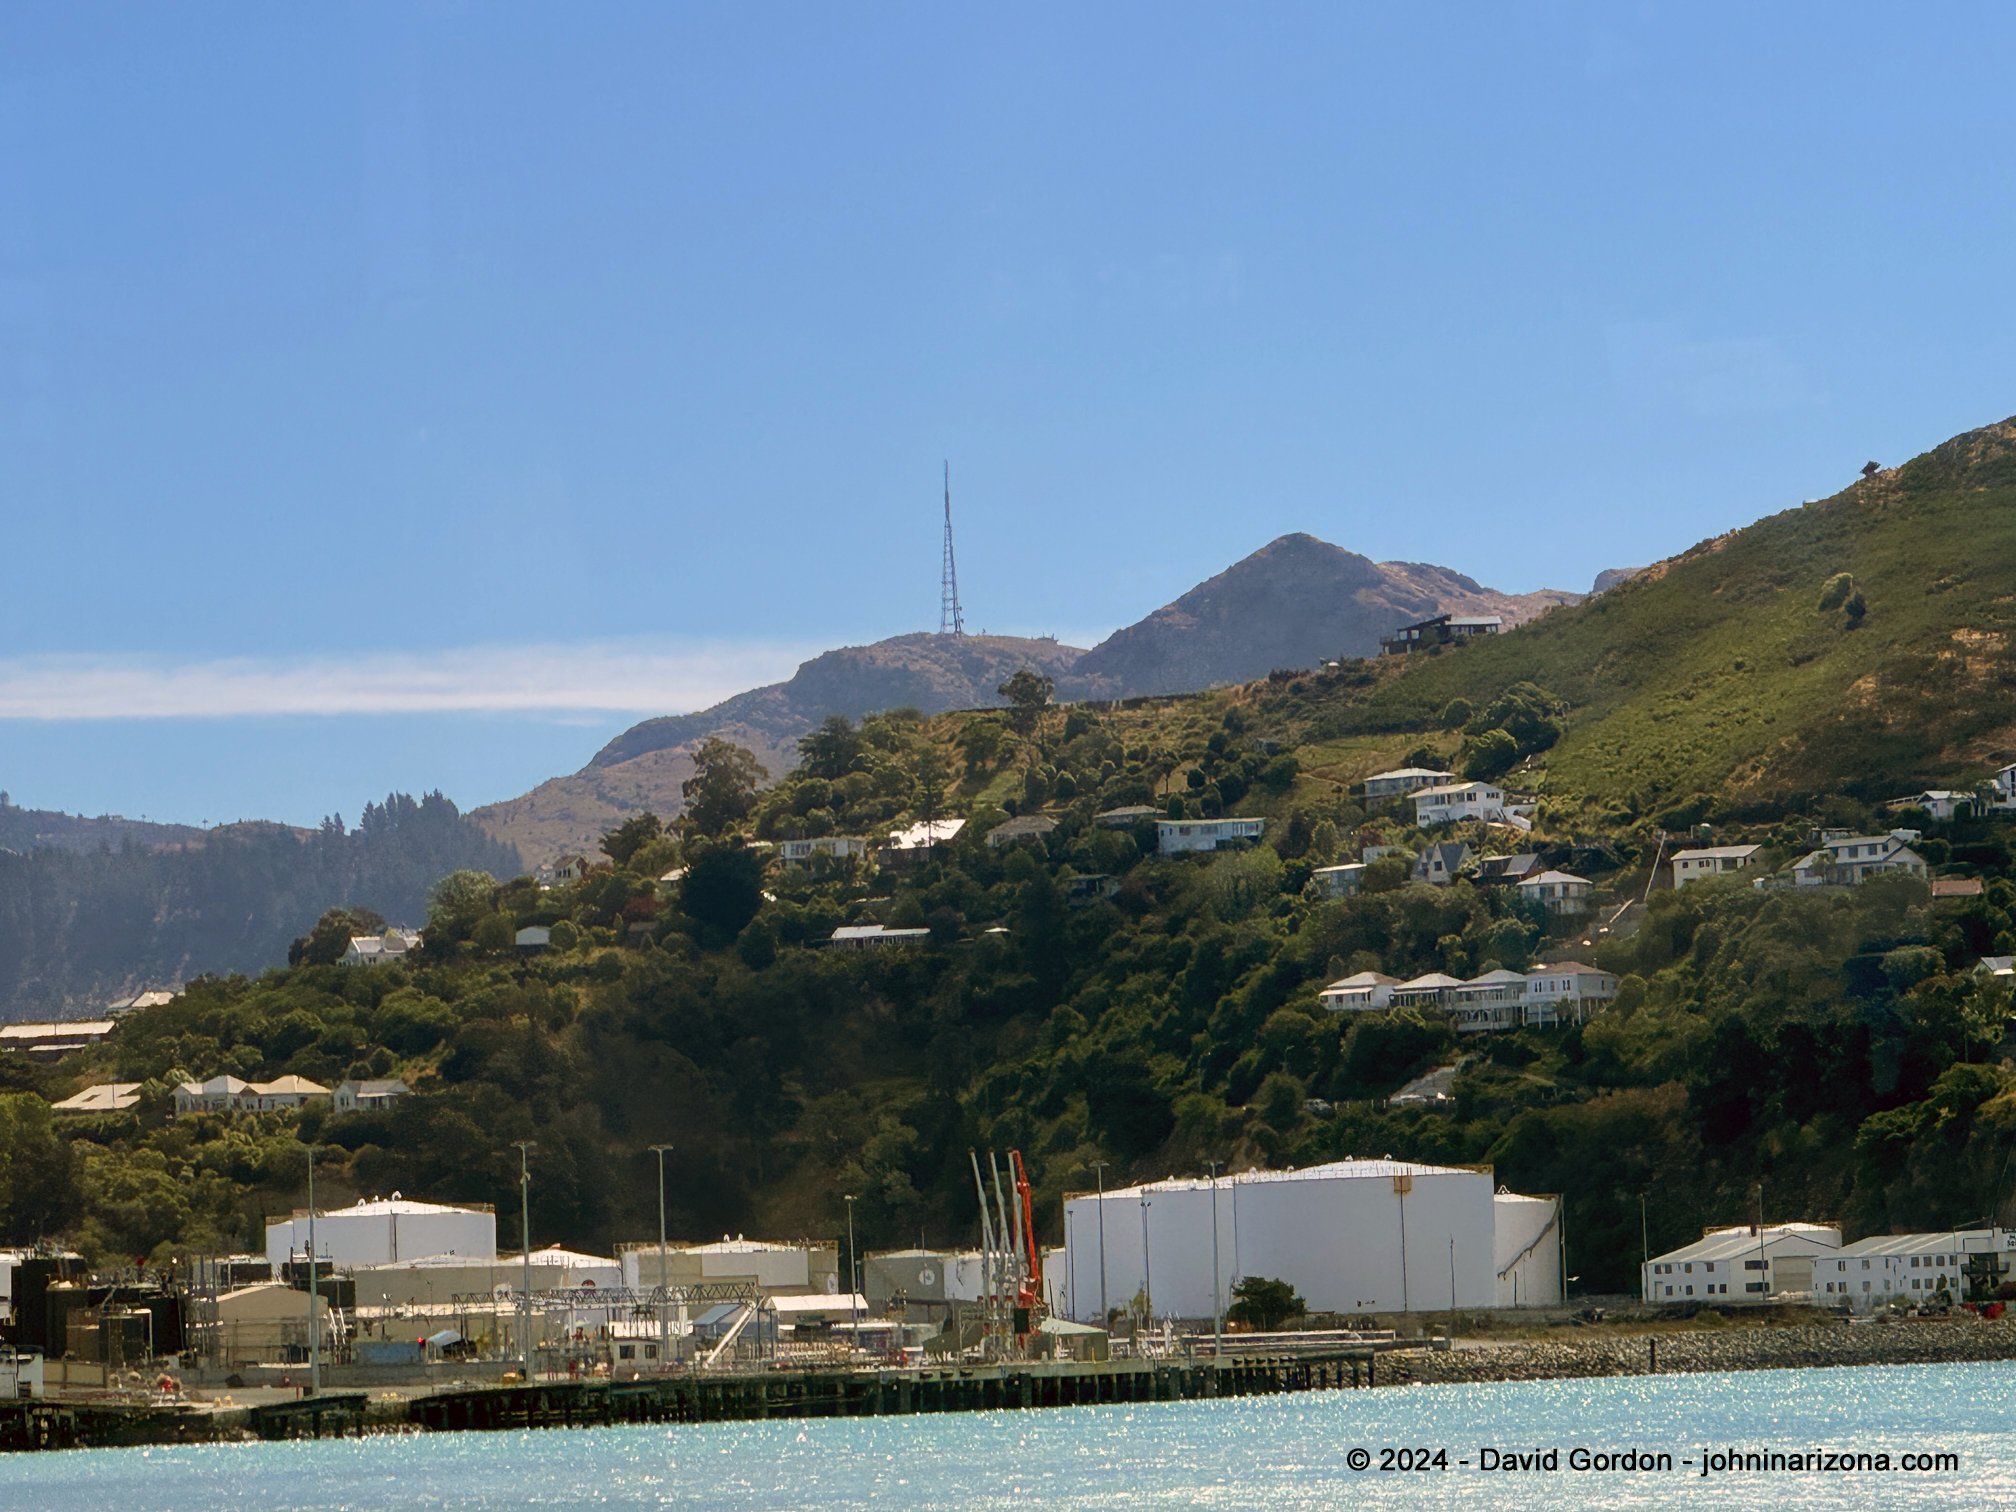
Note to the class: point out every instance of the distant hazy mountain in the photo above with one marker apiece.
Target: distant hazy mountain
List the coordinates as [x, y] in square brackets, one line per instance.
[1292, 603]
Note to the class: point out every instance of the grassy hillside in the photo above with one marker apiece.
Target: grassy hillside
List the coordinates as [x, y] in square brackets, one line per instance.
[1720, 673]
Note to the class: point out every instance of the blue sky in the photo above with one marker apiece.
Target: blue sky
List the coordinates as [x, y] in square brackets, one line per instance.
[410, 396]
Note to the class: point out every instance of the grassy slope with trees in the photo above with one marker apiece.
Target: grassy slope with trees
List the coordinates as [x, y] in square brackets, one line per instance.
[1838, 1049]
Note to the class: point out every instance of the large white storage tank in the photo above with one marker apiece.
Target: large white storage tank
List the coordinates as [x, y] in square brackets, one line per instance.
[383, 1231]
[1528, 1249]
[1352, 1236]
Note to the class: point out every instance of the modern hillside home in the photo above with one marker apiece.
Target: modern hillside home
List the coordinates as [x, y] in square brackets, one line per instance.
[1561, 892]
[1713, 861]
[1442, 630]
[1456, 801]
[1846, 860]
[1174, 836]
[1365, 990]
[388, 949]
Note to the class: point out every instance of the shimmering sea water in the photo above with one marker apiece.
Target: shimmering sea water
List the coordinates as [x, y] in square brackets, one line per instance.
[1279, 1453]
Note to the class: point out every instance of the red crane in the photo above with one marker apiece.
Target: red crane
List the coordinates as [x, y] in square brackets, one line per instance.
[1032, 1284]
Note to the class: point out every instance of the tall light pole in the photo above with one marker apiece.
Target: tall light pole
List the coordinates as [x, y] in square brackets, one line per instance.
[852, 1311]
[1147, 1276]
[524, 1147]
[1217, 1299]
[314, 1332]
[664, 1326]
[1105, 1317]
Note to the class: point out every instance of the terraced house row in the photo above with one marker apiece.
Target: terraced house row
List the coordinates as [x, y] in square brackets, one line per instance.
[1562, 992]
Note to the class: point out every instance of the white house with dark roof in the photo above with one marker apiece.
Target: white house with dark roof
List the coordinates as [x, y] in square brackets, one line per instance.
[1848, 860]
[1452, 802]
[1713, 861]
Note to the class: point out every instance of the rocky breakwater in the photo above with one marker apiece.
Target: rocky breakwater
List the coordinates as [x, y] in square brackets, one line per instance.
[1909, 1342]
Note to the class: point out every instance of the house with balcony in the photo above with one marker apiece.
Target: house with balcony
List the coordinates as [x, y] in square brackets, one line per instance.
[1450, 803]
[1561, 992]
[1175, 836]
[1843, 860]
[1442, 630]
[836, 847]
[1386, 787]
[1713, 861]
[1561, 892]
[1358, 993]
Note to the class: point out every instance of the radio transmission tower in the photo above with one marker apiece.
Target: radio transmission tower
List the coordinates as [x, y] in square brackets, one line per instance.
[950, 621]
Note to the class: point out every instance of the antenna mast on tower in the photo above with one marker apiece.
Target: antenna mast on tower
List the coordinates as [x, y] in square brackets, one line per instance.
[950, 621]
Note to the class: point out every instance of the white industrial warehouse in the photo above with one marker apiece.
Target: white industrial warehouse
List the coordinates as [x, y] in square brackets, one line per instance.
[383, 1231]
[1352, 1236]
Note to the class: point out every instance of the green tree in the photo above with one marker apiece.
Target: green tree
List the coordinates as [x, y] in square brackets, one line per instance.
[1836, 592]
[723, 888]
[631, 836]
[1264, 1304]
[456, 902]
[722, 789]
[1028, 693]
[1489, 755]
[831, 751]
[38, 1173]
[981, 739]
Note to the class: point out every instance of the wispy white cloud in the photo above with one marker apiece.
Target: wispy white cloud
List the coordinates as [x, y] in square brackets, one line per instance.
[628, 676]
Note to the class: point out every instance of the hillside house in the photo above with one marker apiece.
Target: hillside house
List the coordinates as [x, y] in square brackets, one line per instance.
[388, 949]
[1356, 994]
[1452, 802]
[370, 1096]
[1741, 1264]
[1562, 892]
[1566, 992]
[908, 846]
[53, 1041]
[1501, 871]
[1423, 991]
[874, 936]
[105, 1097]
[1030, 828]
[1997, 967]
[1175, 836]
[534, 937]
[1955, 887]
[570, 869]
[1384, 787]
[1848, 860]
[838, 847]
[1439, 864]
[2004, 783]
[1495, 1000]
[154, 998]
[1940, 803]
[1126, 817]
[216, 1095]
[286, 1092]
[1339, 881]
[1713, 861]
[1442, 630]
[1090, 888]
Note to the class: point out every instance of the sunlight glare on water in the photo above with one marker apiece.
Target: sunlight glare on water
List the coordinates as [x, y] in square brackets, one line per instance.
[1282, 1453]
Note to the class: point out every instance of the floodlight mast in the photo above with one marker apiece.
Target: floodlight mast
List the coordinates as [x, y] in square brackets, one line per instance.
[950, 620]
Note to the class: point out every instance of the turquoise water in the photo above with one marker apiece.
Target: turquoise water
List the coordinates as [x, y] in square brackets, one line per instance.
[1280, 1453]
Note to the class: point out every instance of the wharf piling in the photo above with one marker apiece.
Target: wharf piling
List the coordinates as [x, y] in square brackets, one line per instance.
[884, 1392]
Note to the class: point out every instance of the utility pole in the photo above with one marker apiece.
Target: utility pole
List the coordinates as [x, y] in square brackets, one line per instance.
[1147, 1275]
[1645, 1244]
[1217, 1298]
[1105, 1317]
[664, 1326]
[314, 1331]
[852, 1280]
[524, 1147]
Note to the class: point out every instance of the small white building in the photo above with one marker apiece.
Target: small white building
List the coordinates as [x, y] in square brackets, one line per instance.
[382, 1230]
[837, 847]
[387, 949]
[1384, 787]
[1741, 1264]
[1356, 994]
[105, 1097]
[369, 1096]
[1174, 836]
[1910, 1269]
[874, 937]
[217, 1094]
[1712, 861]
[1561, 892]
[1940, 803]
[1451, 802]
[778, 1267]
[1342, 881]
[1848, 860]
